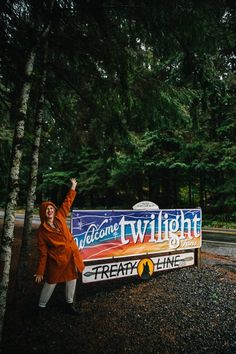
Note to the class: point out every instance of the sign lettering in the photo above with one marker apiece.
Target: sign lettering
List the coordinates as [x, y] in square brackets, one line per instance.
[142, 267]
[109, 234]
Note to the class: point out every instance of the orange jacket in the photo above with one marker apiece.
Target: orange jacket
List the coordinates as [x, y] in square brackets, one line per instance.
[59, 256]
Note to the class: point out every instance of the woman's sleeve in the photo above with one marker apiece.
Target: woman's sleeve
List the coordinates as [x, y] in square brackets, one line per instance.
[43, 253]
[64, 209]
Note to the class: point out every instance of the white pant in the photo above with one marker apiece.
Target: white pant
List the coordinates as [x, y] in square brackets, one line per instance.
[48, 289]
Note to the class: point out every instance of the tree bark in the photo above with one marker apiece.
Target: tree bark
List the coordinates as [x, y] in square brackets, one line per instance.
[13, 188]
[190, 192]
[27, 229]
[202, 190]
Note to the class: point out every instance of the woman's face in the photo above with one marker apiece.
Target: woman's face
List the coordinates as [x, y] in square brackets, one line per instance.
[50, 212]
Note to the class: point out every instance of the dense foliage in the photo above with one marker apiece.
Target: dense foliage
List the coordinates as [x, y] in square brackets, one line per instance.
[140, 101]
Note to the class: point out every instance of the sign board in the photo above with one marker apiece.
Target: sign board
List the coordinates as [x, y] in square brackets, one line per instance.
[102, 235]
[143, 267]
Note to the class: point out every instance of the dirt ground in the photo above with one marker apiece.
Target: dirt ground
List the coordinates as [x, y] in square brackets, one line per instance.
[98, 329]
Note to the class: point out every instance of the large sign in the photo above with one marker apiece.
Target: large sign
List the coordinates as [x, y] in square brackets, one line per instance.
[123, 233]
[144, 267]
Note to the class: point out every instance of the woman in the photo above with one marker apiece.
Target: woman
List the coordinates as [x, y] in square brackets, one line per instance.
[59, 256]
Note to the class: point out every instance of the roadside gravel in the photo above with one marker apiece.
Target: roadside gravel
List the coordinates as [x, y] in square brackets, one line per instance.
[190, 310]
[185, 311]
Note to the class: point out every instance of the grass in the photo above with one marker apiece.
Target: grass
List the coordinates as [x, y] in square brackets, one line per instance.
[224, 221]
[219, 224]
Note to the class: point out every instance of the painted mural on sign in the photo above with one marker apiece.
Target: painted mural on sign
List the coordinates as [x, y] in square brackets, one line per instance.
[124, 233]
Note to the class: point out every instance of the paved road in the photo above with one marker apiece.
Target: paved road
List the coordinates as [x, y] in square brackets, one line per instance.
[219, 235]
[20, 217]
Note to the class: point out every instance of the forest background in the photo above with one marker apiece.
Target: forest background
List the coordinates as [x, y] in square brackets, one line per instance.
[136, 99]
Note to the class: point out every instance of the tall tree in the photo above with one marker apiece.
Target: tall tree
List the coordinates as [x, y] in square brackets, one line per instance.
[13, 186]
[31, 193]
[13, 189]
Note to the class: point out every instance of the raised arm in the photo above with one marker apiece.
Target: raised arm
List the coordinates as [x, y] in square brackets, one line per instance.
[73, 183]
[66, 205]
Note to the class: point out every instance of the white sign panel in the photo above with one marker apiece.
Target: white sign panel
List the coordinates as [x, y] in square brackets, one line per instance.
[145, 205]
[143, 267]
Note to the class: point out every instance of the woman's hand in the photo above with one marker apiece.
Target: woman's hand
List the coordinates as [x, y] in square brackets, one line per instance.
[38, 278]
[73, 183]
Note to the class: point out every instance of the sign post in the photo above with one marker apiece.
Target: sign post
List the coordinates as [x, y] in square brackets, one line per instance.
[197, 257]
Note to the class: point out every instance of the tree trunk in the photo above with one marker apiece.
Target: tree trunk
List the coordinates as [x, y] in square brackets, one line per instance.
[174, 178]
[154, 187]
[27, 229]
[190, 191]
[9, 219]
[139, 186]
[201, 190]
